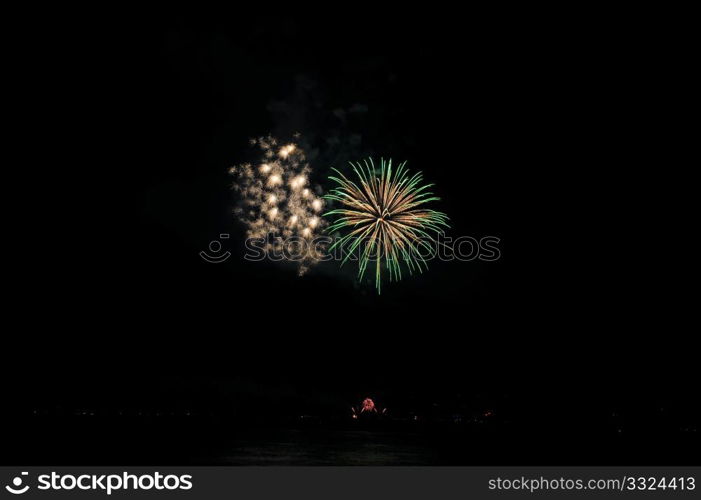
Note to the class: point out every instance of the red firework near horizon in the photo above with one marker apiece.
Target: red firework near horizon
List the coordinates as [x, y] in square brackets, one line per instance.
[367, 406]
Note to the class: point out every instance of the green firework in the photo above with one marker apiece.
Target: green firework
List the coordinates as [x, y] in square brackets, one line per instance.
[384, 218]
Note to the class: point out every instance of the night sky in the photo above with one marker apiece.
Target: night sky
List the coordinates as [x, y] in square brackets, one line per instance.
[530, 133]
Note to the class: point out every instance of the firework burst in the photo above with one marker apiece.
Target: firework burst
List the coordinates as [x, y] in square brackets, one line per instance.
[277, 202]
[386, 218]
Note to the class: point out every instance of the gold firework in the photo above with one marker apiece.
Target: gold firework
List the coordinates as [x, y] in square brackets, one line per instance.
[277, 202]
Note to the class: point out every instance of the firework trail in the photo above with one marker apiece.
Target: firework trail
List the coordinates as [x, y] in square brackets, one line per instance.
[385, 218]
[278, 203]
